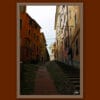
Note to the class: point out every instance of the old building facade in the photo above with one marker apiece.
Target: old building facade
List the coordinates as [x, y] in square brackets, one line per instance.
[53, 54]
[61, 32]
[30, 38]
[44, 53]
[67, 26]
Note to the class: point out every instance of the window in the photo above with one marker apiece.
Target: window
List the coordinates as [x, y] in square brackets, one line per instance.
[34, 36]
[70, 29]
[29, 32]
[35, 26]
[66, 42]
[75, 19]
[63, 6]
[30, 22]
[27, 42]
[60, 22]
[37, 49]
[33, 46]
[69, 13]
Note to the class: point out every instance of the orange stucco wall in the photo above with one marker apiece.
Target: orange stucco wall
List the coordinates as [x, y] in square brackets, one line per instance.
[30, 48]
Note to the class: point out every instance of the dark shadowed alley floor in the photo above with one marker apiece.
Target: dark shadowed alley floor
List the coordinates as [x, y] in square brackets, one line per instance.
[44, 85]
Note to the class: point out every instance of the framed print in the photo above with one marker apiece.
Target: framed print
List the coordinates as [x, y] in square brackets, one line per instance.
[49, 50]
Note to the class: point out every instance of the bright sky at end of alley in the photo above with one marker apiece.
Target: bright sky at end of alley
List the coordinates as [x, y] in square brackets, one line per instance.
[45, 17]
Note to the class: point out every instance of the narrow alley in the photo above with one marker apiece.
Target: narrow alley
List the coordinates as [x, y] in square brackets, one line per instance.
[44, 83]
[51, 78]
[50, 54]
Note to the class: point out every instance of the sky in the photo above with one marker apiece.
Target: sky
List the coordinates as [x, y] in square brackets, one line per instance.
[45, 17]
